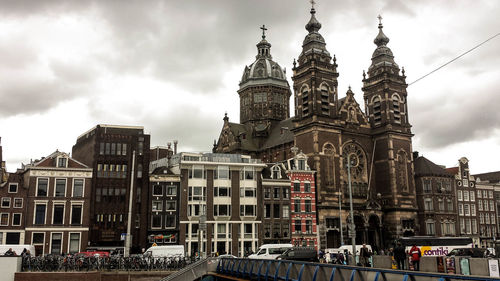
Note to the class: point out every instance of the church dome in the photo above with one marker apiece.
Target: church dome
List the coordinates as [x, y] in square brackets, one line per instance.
[263, 70]
[382, 56]
[314, 41]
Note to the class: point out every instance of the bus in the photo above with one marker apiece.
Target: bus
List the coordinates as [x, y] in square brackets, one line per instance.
[436, 246]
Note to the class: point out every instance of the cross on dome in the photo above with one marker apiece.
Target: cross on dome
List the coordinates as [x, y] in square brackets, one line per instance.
[379, 19]
[263, 31]
[312, 3]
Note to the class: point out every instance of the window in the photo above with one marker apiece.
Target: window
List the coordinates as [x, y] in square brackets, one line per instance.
[42, 187]
[472, 210]
[171, 206]
[460, 195]
[474, 226]
[460, 209]
[480, 205]
[5, 202]
[222, 210]
[60, 188]
[309, 227]
[4, 219]
[74, 243]
[450, 205]
[40, 213]
[197, 193]
[286, 229]
[376, 109]
[171, 190]
[62, 162]
[447, 186]
[427, 186]
[101, 148]
[221, 230]
[468, 227]
[428, 206]
[196, 209]
[479, 194]
[308, 206]
[490, 192]
[492, 218]
[124, 149]
[430, 228]
[286, 211]
[222, 172]
[76, 214]
[157, 190]
[466, 210]
[118, 149]
[307, 187]
[248, 192]
[276, 172]
[157, 206]
[298, 226]
[485, 194]
[286, 193]
[222, 191]
[156, 221]
[472, 196]
[305, 101]
[58, 214]
[296, 206]
[481, 218]
[267, 193]
[170, 221]
[276, 193]
[56, 243]
[276, 211]
[395, 107]
[267, 210]
[247, 173]
[13, 188]
[466, 195]
[441, 205]
[18, 202]
[296, 186]
[486, 218]
[197, 172]
[108, 148]
[247, 210]
[16, 219]
[78, 188]
[267, 230]
[492, 206]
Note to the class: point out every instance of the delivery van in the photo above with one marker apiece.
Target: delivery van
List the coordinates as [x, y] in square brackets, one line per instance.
[270, 251]
[165, 251]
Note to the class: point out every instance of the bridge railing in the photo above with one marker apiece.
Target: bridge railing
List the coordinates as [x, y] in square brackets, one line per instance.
[252, 269]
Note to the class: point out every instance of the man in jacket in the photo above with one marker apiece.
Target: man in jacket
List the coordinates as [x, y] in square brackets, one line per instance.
[415, 255]
[400, 256]
[364, 255]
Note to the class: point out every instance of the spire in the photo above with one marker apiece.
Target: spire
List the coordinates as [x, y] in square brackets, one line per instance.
[382, 56]
[381, 39]
[264, 47]
[313, 25]
[313, 42]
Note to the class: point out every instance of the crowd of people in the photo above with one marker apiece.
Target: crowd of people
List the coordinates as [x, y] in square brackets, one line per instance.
[12, 253]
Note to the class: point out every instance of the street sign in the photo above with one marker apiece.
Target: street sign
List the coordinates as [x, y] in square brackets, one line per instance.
[123, 236]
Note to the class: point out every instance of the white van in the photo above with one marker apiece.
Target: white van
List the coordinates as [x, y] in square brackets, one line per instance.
[165, 251]
[270, 251]
[18, 249]
[349, 249]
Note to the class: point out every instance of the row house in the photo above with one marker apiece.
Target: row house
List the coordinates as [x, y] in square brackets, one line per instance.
[13, 210]
[219, 202]
[435, 189]
[303, 201]
[119, 155]
[58, 203]
[276, 222]
[489, 181]
[163, 210]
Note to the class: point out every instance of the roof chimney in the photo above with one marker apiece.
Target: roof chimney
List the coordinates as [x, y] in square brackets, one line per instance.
[175, 146]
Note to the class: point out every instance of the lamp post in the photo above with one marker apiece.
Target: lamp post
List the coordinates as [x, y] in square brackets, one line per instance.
[340, 218]
[352, 231]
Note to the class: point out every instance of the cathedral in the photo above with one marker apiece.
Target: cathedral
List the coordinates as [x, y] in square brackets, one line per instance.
[334, 132]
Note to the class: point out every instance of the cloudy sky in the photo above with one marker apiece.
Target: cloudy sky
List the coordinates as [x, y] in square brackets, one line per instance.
[174, 67]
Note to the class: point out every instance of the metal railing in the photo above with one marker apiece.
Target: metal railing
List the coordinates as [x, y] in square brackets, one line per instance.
[194, 271]
[252, 269]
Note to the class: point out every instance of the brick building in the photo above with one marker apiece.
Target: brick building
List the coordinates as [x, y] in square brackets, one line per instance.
[13, 198]
[437, 212]
[58, 203]
[329, 130]
[276, 227]
[119, 155]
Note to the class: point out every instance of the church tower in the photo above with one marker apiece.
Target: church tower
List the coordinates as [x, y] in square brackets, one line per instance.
[314, 79]
[264, 91]
[386, 105]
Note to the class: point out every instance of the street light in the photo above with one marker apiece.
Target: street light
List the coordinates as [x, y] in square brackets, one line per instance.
[340, 218]
[352, 231]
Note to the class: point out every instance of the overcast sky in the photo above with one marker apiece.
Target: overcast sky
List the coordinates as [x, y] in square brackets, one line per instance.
[174, 68]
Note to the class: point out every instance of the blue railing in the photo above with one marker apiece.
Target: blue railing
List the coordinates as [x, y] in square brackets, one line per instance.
[277, 270]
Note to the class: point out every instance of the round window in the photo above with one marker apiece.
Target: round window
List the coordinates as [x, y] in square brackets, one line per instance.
[459, 183]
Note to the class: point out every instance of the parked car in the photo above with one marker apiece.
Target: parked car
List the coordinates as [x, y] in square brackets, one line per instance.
[270, 251]
[470, 252]
[300, 254]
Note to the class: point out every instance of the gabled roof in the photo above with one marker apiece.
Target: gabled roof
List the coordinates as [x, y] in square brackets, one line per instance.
[49, 161]
[245, 136]
[452, 171]
[425, 167]
[492, 177]
[163, 170]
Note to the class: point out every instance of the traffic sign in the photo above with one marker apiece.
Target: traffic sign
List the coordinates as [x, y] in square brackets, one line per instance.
[123, 236]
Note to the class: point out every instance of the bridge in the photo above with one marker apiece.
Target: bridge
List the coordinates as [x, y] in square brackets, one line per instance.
[238, 269]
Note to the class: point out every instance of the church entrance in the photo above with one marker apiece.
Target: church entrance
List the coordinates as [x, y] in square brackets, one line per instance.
[359, 222]
[374, 232]
[333, 239]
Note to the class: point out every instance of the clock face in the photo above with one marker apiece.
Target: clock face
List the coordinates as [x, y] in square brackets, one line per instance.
[356, 160]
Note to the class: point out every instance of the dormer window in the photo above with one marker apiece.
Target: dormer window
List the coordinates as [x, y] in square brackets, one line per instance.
[62, 162]
[276, 172]
[302, 164]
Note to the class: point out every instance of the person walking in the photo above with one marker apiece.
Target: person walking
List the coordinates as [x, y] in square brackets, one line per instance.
[400, 256]
[415, 255]
[364, 255]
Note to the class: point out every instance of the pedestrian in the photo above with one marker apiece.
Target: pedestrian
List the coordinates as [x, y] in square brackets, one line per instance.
[415, 255]
[400, 256]
[10, 253]
[364, 255]
[340, 258]
[382, 252]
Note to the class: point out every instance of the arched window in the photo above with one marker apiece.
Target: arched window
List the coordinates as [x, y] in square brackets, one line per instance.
[353, 153]
[329, 152]
[377, 116]
[396, 109]
[276, 172]
[325, 108]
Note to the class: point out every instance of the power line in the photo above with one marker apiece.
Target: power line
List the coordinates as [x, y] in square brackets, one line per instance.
[463, 54]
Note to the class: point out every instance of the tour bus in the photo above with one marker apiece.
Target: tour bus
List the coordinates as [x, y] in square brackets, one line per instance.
[436, 246]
